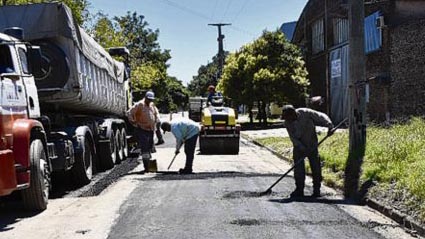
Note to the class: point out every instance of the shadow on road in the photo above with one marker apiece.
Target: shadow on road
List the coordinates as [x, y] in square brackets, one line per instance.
[173, 175]
[261, 126]
[315, 200]
[11, 213]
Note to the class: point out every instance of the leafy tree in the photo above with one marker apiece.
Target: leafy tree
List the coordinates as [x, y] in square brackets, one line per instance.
[106, 32]
[79, 8]
[207, 75]
[141, 40]
[148, 61]
[270, 69]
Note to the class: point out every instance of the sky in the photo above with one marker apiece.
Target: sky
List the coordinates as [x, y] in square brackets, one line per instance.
[183, 25]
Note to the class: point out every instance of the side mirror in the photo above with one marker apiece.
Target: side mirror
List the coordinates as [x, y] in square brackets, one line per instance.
[35, 59]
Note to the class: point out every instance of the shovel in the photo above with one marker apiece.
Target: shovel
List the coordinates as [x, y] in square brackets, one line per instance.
[269, 190]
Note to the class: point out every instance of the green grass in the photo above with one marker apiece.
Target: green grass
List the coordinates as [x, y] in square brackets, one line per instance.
[394, 155]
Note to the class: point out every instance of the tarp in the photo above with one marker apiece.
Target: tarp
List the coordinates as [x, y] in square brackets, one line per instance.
[52, 20]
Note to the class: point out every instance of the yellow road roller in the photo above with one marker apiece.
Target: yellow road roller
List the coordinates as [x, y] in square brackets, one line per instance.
[220, 134]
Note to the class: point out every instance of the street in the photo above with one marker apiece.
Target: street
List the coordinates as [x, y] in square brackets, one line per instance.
[217, 201]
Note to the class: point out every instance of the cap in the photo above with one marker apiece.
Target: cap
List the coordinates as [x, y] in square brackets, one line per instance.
[287, 108]
[150, 95]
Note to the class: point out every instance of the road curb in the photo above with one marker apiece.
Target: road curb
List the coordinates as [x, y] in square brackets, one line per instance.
[404, 220]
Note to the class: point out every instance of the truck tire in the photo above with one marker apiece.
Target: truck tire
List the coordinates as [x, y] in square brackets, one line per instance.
[36, 196]
[82, 170]
[124, 142]
[118, 140]
[107, 152]
[55, 68]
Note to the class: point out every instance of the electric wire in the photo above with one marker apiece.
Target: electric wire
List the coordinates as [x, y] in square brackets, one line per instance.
[215, 8]
[201, 15]
[226, 10]
[245, 3]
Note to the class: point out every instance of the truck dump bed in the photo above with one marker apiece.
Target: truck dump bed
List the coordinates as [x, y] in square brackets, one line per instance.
[79, 75]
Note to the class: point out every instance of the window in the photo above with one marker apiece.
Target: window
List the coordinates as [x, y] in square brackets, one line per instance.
[372, 34]
[318, 36]
[340, 30]
[6, 64]
[24, 62]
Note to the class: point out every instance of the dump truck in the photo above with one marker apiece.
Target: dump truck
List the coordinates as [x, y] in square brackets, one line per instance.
[63, 102]
[220, 133]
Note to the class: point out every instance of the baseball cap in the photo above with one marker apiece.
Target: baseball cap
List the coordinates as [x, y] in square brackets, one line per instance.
[287, 108]
[150, 95]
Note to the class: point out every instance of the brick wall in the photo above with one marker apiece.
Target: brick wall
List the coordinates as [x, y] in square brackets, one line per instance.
[408, 69]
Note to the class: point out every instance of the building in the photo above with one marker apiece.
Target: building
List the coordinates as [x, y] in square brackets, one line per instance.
[395, 56]
[288, 29]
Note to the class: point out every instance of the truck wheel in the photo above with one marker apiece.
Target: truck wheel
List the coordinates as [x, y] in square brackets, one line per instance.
[36, 196]
[120, 151]
[124, 142]
[108, 152]
[82, 171]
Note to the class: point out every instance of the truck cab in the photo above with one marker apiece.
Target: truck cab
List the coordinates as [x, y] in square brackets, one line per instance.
[24, 162]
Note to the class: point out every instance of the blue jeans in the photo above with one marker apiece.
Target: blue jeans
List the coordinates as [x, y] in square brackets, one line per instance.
[189, 150]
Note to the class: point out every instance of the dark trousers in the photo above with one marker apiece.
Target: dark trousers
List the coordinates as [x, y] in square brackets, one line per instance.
[299, 171]
[145, 141]
[189, 150]
[158, 131]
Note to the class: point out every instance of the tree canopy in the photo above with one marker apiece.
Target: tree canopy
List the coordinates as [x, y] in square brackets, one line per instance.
[148, 61]
[207, 75]
[270, 69]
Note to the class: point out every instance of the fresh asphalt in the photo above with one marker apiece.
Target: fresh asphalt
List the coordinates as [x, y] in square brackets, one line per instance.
[219, 204]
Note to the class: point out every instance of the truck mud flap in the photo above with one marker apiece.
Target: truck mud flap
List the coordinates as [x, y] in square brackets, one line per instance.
[219, 145]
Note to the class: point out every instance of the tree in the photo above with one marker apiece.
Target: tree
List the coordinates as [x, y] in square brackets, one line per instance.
[148, 61]
[141, 40]
[207, 75]
[106, 32]
[270, 69]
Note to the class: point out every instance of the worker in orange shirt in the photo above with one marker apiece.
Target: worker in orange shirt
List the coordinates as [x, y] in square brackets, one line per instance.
[143, 116]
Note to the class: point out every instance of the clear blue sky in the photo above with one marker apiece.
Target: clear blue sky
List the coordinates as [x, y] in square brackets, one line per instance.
[183, 25]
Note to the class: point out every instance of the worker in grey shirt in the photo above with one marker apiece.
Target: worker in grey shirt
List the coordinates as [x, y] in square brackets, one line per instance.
[301, 126]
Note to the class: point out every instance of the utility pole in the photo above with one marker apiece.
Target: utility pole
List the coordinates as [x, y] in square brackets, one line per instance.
[357, 89]
[220, 48]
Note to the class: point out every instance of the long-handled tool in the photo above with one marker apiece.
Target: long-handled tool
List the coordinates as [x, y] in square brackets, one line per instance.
[172, 161]
[269, 190]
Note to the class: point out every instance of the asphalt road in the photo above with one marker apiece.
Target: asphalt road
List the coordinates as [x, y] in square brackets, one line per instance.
[220, 200]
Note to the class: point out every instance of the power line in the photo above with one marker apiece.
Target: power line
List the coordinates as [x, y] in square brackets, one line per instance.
[226, 10]
[240, 10]
[203, 16]
[213, 11]
[186, 9]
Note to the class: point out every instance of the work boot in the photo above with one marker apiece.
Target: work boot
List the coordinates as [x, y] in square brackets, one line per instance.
[160, 141]
[146, 165]
[297, 193]
[316, 193]
[185, 171]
